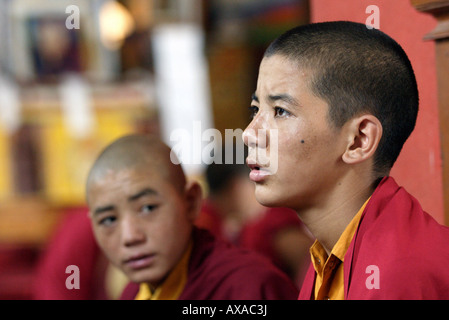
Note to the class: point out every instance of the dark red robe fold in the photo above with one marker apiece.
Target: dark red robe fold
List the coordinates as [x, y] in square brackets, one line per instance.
[221, 271]
[398, 247]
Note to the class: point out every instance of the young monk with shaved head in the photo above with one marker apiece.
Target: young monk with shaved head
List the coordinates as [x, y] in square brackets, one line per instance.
[143, 210]
[338, 101]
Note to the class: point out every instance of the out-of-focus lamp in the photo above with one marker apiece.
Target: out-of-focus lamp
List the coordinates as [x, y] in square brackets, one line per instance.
[116, 23]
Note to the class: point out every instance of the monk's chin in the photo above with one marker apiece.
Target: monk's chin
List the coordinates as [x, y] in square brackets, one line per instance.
[271, 197]
[268, 199]
[145, 276]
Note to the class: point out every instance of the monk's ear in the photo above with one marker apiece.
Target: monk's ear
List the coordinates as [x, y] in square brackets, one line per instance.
[364, 134]
[194, 198]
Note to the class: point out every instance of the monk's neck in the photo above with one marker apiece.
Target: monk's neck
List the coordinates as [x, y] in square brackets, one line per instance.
[328, 219]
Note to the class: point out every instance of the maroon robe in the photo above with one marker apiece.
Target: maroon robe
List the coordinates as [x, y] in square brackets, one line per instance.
[73, 243]
[221, 271]
[398, 251]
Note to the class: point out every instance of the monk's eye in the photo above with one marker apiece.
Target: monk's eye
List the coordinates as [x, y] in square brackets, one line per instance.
[281, 112]
[107, 221]
[148, 208]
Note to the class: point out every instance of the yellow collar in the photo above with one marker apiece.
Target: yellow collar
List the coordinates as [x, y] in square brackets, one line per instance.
[343, 243]
[173, 286]
[329, 282]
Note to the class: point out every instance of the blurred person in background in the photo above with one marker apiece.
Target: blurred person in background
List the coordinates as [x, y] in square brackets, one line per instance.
[143, 211]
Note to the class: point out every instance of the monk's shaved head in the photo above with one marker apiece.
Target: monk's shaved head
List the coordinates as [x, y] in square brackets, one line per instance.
[141, 207]
[137, 152]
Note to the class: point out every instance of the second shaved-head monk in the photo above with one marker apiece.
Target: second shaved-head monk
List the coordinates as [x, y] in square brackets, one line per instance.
[143, 210]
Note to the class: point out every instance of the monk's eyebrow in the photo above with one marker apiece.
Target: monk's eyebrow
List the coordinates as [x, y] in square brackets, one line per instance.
[134, 197]
[278, 97]
[100, 210]
[283, 97]
[144, 192]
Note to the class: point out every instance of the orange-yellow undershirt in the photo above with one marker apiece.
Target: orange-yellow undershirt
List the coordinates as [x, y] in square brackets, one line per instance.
[329, 282]
[173, 286]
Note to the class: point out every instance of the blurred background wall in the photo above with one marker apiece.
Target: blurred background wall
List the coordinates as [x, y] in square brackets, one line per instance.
[74, 75]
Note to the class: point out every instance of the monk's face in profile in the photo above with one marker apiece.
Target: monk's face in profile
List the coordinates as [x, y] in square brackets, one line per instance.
[291, 125]
[142, 221]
